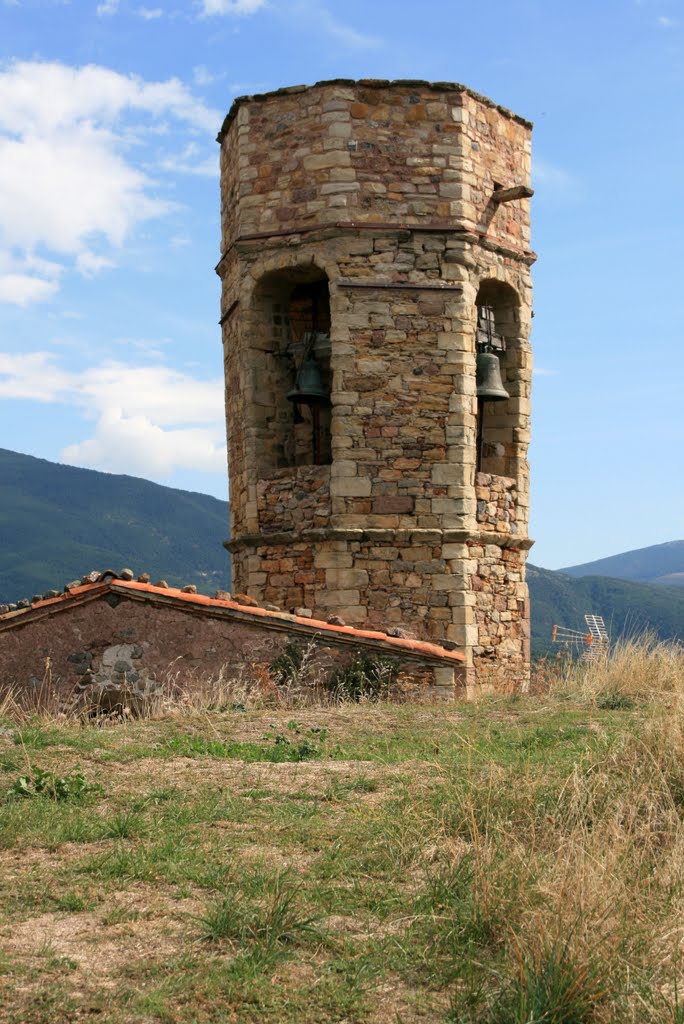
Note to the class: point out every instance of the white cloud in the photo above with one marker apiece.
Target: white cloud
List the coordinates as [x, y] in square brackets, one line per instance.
[666, 22]
[555, 183]
[27, 279]
[148, 420]
[31, 375]
[150, 348]
[312, 16]
[202, 76]
[74, 165]
[167, 396]
[541, 371]
[106, 8]
[210, 7]
[24, 289]
[58, 193]
[190, 161]
[50, 98]
[149, 13]
[345, 34]
[135, 445]
[89, 263]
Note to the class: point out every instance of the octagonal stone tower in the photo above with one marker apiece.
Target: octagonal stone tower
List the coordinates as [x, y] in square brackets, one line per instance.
[369, 230]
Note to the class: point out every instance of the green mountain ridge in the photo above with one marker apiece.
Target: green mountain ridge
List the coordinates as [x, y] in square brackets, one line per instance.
[628, 608]
[659, 563]
[59, 522]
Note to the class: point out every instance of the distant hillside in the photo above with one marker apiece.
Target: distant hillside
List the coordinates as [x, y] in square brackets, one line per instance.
[660, 564]
[58, 523]
[626, 607]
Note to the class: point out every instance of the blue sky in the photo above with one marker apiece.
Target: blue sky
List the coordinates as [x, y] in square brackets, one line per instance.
[110, 353]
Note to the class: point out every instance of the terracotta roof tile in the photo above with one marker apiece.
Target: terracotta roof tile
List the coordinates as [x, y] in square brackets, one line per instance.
[172, 594]
[419, 646]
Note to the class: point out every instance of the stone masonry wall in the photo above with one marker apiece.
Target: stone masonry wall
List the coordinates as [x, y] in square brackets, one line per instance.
[161, 643]
[367, 580]
[279, 573]
[138, 644]
[498, 583]
[294, 498]
[403, 417]
[496, 503]
[501, 650]
[338, 152]
[385, 190]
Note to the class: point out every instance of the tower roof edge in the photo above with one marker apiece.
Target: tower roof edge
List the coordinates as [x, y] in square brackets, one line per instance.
[369, 83]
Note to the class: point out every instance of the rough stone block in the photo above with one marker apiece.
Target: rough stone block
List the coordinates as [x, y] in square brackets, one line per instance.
[322, 161]
[351, 487]
[333, 559]
[346, 579]
[393, 505]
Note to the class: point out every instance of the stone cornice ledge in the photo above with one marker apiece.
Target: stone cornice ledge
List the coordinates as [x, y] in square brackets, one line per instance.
[316, 232]
[379, 536]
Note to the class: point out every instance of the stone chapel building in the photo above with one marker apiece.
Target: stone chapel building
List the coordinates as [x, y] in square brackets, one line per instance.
[375, 244]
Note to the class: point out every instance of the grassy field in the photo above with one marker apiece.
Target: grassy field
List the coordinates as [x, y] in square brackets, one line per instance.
[513, 861]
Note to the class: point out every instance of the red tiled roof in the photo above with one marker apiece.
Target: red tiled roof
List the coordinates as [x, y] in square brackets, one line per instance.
[171, 595]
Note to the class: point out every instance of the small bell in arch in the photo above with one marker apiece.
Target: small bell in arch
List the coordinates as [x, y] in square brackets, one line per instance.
[488, 380]
[489, 386]
[309, 388]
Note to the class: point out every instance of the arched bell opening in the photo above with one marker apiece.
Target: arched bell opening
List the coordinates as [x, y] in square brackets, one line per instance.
[289, 341]
[497, 386]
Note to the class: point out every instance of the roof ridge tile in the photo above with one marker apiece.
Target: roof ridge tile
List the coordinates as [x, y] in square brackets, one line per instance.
[185, 595]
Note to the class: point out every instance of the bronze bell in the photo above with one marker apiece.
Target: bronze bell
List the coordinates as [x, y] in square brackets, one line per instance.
[488, 378]
[309, 388]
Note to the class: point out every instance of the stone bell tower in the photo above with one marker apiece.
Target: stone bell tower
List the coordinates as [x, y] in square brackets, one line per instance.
[375, 242]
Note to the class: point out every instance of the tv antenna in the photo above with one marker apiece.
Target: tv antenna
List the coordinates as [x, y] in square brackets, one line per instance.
[593, 644]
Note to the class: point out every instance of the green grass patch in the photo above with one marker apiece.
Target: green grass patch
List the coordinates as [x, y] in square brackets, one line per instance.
[520, 860]
[276, 747]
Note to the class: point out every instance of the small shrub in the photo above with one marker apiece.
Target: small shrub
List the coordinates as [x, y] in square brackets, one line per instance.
[280, 746]
[40, 783]
[123, 825]
[287, 666]
[298, 746]
[551, 988]
[70, 902]
[36, 736]
[364, 678]
[614, 701]
[261, 931]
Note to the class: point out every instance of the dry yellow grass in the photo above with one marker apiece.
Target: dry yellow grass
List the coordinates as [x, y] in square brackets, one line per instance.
[640, 668]
[517, 861]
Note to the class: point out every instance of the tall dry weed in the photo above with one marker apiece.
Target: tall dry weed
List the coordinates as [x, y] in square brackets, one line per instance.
[585, 870]
[638, 668]
[612, 872]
